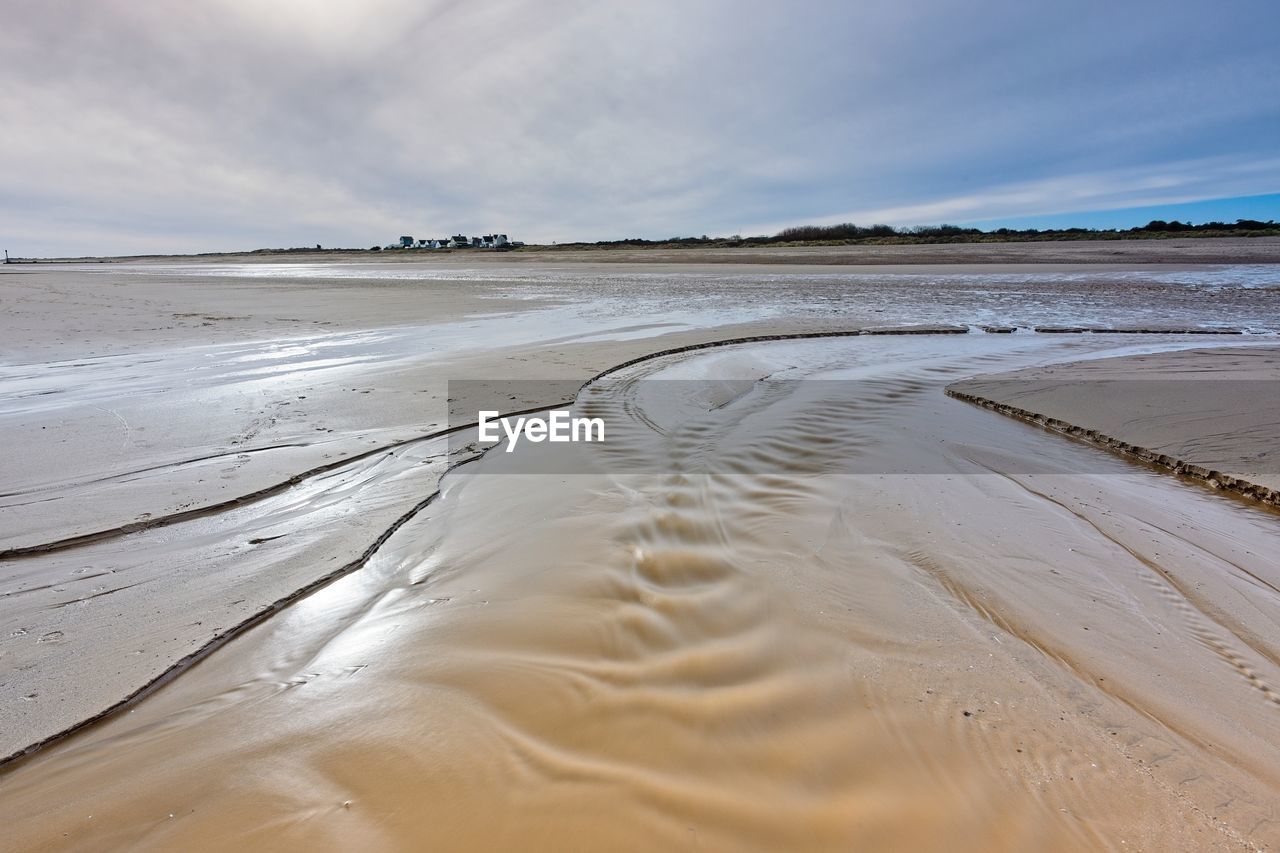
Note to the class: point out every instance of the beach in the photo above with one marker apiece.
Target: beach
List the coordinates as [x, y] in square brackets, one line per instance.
[816, 594]
[1206, 414]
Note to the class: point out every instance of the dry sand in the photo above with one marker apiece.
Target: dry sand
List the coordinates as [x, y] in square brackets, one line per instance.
[1209, 414]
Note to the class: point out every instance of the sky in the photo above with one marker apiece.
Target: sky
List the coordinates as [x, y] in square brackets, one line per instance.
[143, 126]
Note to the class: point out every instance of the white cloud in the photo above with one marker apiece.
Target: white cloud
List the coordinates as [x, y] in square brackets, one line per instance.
[231, 123]
[1166, 183]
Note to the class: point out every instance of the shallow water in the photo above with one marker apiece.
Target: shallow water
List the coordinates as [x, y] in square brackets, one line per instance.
[1211, 296]
[740, 643]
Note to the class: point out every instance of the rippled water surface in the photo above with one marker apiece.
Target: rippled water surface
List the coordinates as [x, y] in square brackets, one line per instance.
[776, 651]
[1241, 296]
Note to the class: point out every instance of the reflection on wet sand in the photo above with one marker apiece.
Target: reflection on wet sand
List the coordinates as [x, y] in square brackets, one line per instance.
[769, 652]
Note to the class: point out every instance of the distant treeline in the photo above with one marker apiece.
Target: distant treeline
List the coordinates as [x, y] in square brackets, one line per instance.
[847, 233]
[826, 235]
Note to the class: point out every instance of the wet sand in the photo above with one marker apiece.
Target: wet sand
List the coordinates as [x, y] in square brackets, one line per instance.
[888, 654]
[961, 651]
[1212, 415]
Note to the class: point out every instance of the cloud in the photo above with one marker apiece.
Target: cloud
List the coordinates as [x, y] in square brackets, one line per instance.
[1164, 184]
[223, 124]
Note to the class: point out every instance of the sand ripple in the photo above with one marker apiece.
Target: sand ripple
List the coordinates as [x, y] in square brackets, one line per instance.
[743, 631]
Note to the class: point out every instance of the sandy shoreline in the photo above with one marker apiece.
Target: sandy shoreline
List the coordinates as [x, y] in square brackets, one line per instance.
[285, 571]
[1212, 415]
[341, 653]
[177, 412]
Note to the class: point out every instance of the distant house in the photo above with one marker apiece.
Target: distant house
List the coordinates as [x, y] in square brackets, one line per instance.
[458, 241]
